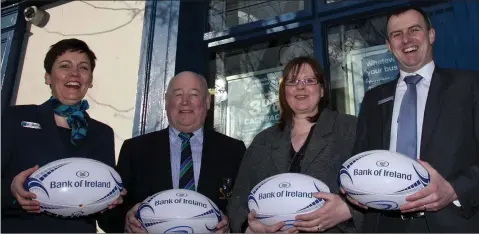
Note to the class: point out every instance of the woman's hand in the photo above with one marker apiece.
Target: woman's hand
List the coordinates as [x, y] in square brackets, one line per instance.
[118, 201]
[350, 199]
[333, 212]
[23, 197]
[255, 226]
[132, 225]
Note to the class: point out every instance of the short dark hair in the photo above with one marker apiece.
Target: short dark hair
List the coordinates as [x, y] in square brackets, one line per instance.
[293, 67]
[408, 8]
[72, 45]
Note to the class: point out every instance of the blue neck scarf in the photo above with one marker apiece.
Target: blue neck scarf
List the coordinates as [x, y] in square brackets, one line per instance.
[75, 117]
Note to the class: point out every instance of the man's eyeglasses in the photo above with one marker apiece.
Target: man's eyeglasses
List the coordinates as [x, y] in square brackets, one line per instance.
[308, 81]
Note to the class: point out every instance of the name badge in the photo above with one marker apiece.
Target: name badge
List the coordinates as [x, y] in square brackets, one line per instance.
[385, 100]
[33, 125]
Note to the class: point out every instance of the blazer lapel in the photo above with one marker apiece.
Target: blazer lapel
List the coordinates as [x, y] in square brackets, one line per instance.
[320, 138]
[208, 164]
[159, 161]
[388, 91]
[86, 146]
[280, 149]
[434, 101]
[52, 136]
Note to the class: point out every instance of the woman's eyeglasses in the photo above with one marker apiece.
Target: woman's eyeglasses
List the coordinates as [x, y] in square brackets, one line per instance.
[308, 81]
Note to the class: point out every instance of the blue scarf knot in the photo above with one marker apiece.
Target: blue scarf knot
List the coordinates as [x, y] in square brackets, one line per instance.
[75, 117]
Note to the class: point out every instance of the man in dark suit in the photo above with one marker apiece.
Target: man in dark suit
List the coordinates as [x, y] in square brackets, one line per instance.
[430, 114]
[155, 162]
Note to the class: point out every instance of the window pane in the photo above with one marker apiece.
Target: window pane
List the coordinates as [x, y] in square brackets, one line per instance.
[359, 60]
[227, 13]
[246, 84]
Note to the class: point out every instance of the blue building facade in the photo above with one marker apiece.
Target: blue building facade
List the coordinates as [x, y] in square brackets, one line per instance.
[241, 46]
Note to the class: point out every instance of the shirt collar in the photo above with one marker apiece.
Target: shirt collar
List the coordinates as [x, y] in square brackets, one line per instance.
[196, 138]
[426, 73]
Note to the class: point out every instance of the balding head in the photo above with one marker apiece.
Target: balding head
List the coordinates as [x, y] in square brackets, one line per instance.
[187, 101]
[202, 80]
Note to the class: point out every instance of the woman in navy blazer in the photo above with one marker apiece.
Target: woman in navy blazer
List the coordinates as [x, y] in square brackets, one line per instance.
[34, 135]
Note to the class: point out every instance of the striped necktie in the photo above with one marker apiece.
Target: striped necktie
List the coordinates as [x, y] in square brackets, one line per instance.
[187, 178]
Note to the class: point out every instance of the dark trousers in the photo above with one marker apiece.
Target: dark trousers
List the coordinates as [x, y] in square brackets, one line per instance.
[382, 222]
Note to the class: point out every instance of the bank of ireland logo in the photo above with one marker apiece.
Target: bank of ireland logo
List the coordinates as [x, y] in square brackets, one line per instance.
[382, 163]
[284, 185]
[181, 194]
[82, 174]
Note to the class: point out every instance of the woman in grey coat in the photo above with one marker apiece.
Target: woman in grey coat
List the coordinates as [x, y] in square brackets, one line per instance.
[309, 139]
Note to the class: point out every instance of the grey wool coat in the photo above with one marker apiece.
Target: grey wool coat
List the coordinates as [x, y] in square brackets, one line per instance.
[269, 154]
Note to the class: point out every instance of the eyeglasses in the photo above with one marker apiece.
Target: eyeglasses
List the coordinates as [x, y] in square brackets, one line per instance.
[308, 81]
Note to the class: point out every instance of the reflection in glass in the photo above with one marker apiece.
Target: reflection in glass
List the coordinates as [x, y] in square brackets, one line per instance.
[332, 1]
[247, 79]
[227, 13]
[359, 60]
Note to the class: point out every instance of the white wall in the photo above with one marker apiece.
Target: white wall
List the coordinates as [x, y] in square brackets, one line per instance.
[113, 30]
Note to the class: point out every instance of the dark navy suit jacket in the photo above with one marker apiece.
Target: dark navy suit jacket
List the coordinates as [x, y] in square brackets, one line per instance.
[24, 147]
[145, 168]
[450, 143]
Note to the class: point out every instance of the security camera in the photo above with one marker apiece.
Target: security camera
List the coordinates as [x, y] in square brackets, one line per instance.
[36, 16]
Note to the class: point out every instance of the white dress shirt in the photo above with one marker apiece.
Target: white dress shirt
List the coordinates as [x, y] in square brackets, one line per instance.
[196, 143]
[422, 90]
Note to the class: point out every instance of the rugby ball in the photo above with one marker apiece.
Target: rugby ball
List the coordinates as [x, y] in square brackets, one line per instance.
[74, 187]
[178, 210]
[382, 179]
[283, 196]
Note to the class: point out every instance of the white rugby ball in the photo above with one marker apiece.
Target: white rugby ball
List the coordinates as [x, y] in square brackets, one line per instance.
[382, 179]
[178, 210]
[283, 196]
[74, 187]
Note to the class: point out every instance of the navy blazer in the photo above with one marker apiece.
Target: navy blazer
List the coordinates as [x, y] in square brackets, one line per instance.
[145, 168]
[450, 142]
[24, 147]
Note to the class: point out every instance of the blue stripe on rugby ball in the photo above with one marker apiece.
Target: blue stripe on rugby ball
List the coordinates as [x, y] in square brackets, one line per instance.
[32, 183]
[255, 189]
[180, 229]
[383, 205]
[314, 205]
[138, 214]
[424, 181]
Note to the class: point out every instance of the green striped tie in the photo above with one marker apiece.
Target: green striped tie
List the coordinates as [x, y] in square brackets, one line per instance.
[187, 178]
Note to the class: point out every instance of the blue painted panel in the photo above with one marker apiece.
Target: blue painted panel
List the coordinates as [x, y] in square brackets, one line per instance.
[446, 42]
[465, 24]
[157, 64]
[365, 9]
[456, 42]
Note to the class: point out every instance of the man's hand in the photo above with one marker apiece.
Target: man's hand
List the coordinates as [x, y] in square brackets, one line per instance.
[23, 197]
[222, 227]
[438, 194]
[132, 225]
